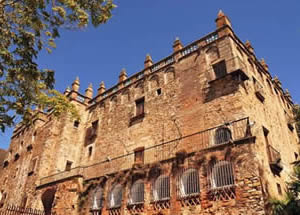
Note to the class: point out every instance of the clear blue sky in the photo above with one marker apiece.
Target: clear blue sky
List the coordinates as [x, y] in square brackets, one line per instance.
[139, 27]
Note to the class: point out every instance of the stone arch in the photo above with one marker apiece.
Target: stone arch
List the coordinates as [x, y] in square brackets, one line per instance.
[169, 74]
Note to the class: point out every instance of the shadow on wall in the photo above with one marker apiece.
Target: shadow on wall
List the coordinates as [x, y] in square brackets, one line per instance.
[47, 200]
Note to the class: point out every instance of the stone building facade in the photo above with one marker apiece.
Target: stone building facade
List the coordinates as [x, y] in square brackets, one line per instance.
[206, 130]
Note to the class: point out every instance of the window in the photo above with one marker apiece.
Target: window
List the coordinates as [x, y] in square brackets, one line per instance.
[90, 151]
[32, 166]
[136, 195]
[76, 124]
[296, 155]
[139, 155]
[158, 91]
[69, 165]
[291, 127]
[115, 197]
[221, 174]
[266, 133]
[17, 156]
[279, 189]
[188, 184]
[5, 164]
[161, 188]
[220, 69]
[97, 199]
[92, 131]
[140, 106]
[29, 148]
[223, 135]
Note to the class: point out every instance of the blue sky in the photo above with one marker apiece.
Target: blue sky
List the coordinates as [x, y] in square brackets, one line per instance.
[139, 27]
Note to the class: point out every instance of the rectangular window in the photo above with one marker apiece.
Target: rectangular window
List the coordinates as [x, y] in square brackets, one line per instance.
[279, 189]
[94, 129]
[69, 165]
[32, 166]
[220, 69]
[90, 151]
[140, 106]
[76, 124]
[139, 155]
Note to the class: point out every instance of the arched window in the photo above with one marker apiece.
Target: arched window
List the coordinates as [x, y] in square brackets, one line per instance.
[115, 197]
[223, 135]
[188, 183]
[97, 199]
[136, 195]
[221, 174]
[161, 188]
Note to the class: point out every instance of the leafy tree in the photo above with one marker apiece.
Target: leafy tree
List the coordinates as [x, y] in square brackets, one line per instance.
[26, 28]
[291, 204]
[297, 117]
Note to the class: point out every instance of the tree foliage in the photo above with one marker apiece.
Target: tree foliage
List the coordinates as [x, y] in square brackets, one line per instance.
[26, 28]
[297, 117]
[291, 204]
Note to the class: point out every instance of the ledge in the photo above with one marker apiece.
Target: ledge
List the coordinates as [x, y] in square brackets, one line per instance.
[137, 119]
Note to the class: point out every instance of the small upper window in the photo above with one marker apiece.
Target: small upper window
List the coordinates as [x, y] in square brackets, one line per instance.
[76, 124]
[90, 151]
[140, 107]
[5, 164]
[139, 155]
[220, 69]
[69, 165]
[223, 135]
[17, 156]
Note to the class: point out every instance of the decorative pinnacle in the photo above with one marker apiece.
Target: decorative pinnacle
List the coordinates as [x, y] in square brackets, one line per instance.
[220, 14]
[123, 72]
[247, 43]
[77, 80]
[90, 87]
[102, 85]
[148, 58]
[68, 89]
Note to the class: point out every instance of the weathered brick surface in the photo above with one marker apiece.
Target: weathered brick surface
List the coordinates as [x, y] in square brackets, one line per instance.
[191, 99]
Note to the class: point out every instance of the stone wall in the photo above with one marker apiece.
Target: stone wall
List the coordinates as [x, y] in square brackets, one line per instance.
[185, 103]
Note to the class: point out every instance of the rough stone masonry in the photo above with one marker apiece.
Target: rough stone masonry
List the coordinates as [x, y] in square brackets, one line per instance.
[206, 130]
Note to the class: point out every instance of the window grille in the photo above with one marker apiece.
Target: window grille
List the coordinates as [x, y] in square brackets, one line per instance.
[188, 184]
[220, 69]
[136, 195]
[221, 174]
[97, 199]
[115, 197]
[161, 188]
[223, 135]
